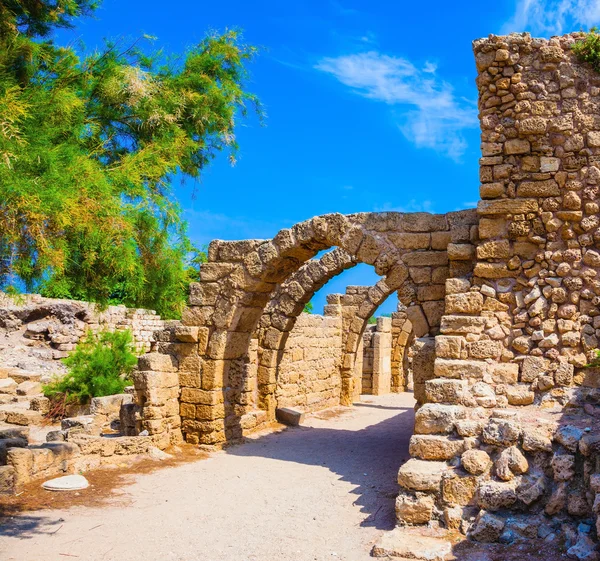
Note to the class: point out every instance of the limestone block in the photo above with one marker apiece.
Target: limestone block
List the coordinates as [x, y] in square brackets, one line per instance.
[412, 240]
[494, 250]
[492, 228]
[402, 543]
[461, 251]
[505, 373]
[475, 461]
[446, 391]
[8, 386]
[457, 285]
[563, 467]
[507, 206]
[467, 303]
[517, 146]
[414, 509]
[501, 432]
[434, 312]
[440, 240]
[495, 495]
[459, 490]
[532, 367]
[569, 436]
[563, 375]
[29, 388]
[462, 324]
[289, 416]
[491, 190]
[419, 321]
[519, 395]
[532, 125]
[487, 528]
[536, 440]
[41, 404]
[449, 346]
[157, 362]
[469, 427]
[420, 475]
[546, 188]
[24, 417]
[434, 447]
[7, 480]
[425, 258]
[186, 333]
[449, 368]
[434, 418]
[485, 349]
[493, 271]
[109, 405]
[510, 462]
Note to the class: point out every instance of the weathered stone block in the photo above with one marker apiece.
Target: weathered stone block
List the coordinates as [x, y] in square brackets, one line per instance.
[420, 475]
[447, 368]
[547, 188]
[434, 418]
[434, 447]
[476, 461]
[414, 509]
[467, 303]
[494, 495]
[288, 416]
[459, 490]
[501, 432]
[507, 206]
[445, 391]
[505, 373]
[449, 346]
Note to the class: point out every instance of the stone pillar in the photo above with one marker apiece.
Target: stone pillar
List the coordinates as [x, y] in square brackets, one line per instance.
[382, 357]
[402, 335]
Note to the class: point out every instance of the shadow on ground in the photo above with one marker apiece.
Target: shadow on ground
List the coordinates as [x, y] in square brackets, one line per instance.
[368, 458]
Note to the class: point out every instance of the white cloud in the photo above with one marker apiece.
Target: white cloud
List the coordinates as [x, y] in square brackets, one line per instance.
[411, 206]
[553, 17]
[431, 115]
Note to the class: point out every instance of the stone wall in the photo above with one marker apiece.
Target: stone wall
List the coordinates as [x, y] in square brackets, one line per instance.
[507, 437]
[62, 323]
[309, 372]
[377, 358]
[366, 371]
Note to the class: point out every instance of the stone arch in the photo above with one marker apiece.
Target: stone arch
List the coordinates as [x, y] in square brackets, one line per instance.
[240, 278]
[282, 311]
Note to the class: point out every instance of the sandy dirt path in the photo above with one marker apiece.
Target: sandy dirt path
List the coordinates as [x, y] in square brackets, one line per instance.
[324, 491]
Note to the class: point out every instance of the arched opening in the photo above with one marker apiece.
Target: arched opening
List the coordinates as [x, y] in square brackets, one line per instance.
[261, 287]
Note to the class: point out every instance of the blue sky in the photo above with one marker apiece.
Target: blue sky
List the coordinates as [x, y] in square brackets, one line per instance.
[370, 106]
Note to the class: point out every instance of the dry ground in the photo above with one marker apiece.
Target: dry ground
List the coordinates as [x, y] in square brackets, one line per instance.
[320, 492]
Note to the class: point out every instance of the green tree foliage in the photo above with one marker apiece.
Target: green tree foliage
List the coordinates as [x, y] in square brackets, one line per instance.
[100, 365]
[588, 49]
[308, 308]
[89, 146]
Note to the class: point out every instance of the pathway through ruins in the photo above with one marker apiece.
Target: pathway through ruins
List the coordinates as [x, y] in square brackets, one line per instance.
[324, 491]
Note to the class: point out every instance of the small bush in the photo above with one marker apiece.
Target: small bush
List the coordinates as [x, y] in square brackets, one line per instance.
[100, 365]
[588, 49]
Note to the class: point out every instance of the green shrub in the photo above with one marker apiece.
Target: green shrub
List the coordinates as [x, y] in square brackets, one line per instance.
[100, 365]
[588, 49]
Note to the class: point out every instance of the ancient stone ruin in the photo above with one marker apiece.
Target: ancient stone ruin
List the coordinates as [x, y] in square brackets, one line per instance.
[502, 301]
[499, 316]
